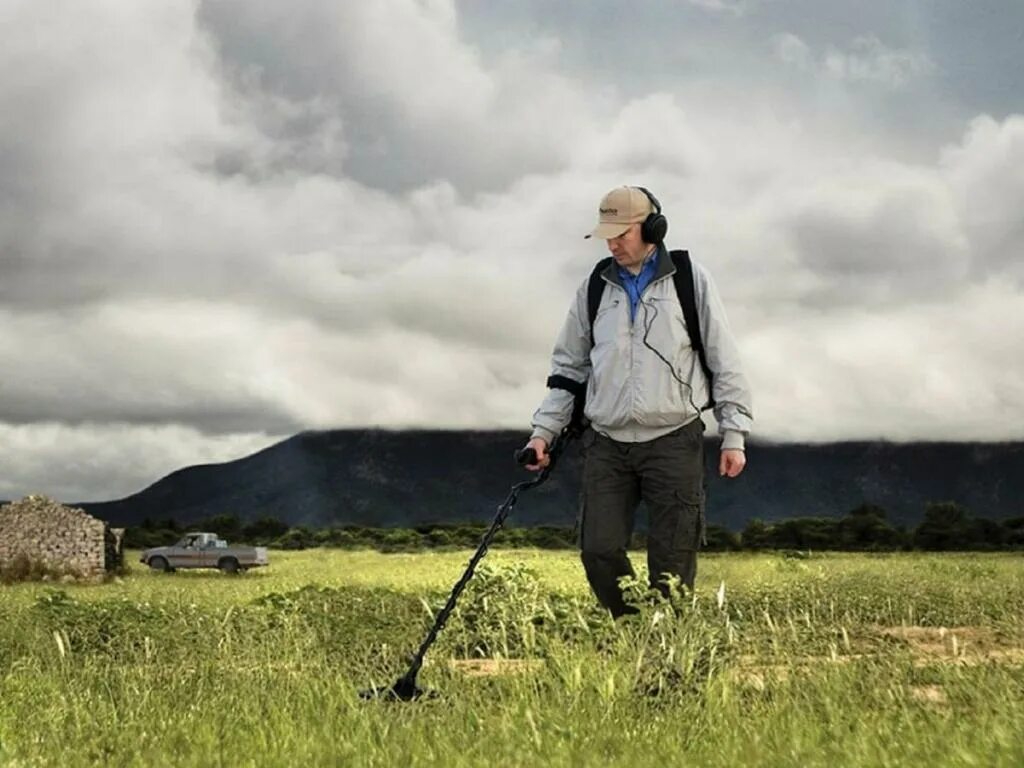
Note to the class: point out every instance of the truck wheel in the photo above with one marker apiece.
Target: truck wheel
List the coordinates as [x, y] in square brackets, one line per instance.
[228, 565]
[160, 564]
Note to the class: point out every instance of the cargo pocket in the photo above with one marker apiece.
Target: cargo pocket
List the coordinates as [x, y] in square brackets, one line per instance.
[693, 521]
[704, 510]
[577, 529]
[690, 528]
[587, 440]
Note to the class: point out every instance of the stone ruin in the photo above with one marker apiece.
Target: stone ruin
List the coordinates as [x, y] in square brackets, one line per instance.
[63, 538]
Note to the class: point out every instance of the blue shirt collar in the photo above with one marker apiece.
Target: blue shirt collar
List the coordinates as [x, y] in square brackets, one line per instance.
[635, 284]
[646, 271]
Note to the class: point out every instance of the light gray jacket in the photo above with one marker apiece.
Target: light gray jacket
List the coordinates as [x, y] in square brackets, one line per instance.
[632, 395]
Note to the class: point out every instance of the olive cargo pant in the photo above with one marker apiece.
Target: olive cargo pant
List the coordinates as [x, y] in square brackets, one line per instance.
[668, 475]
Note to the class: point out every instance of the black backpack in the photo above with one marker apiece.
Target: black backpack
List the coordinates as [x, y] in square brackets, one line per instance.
[683, 279]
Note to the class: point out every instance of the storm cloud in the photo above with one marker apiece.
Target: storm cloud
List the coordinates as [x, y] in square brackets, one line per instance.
[224, 222]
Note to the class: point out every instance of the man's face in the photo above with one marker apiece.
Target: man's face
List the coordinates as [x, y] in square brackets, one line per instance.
[629, 249]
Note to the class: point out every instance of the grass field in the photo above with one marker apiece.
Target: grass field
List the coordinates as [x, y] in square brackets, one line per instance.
[895, 659]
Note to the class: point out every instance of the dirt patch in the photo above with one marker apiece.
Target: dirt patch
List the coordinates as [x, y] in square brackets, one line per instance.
[959, 646]
[929, 694]
[495, 667]
[760, 678]
[969, 645]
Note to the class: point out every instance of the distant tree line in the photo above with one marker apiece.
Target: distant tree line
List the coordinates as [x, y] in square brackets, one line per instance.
[946, 526]
[269, 531]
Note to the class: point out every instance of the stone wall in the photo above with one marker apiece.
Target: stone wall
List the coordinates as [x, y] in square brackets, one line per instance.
[62, 537]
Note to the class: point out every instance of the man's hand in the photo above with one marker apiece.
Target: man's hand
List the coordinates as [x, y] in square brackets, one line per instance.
[540, 447]
[731, 463]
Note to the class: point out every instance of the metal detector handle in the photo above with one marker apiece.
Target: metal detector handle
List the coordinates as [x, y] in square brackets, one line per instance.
[525, 456]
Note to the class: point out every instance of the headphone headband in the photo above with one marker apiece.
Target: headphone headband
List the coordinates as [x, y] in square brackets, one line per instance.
[652, 198]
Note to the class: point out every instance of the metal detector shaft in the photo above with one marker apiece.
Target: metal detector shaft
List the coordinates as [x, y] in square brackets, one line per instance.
[408, 681]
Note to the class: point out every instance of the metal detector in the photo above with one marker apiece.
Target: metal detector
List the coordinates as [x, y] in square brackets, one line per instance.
[405, 688]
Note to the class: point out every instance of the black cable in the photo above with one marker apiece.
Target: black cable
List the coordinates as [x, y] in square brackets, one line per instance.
[671, 368]
[689, 395]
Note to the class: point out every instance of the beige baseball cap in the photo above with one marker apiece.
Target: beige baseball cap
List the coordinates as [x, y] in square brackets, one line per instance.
[618, 209]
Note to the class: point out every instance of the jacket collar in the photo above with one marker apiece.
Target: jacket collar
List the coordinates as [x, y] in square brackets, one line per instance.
[665, 268]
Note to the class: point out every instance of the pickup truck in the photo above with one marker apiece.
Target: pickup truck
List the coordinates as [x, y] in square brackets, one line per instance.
[204, 550]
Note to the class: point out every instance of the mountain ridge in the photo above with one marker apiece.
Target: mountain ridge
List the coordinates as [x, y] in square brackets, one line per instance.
[403, 478]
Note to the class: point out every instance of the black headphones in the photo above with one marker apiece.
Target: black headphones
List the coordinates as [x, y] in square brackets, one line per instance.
[655, 226]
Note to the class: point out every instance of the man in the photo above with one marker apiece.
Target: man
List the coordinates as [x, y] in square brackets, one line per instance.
[645, 389]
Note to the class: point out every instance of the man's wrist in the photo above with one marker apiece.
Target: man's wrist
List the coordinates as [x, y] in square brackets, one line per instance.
[544, 434]
[733, 440]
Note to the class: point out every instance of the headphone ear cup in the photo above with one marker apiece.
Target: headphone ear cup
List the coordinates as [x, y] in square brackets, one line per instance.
[654, 228]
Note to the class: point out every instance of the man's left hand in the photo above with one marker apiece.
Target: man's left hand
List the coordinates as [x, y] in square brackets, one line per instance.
[731, 463]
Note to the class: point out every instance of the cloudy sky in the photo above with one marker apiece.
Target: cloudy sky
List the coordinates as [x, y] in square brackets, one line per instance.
[225, 222]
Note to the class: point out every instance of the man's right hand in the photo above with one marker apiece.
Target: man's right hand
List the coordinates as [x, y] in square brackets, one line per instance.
[540, 447]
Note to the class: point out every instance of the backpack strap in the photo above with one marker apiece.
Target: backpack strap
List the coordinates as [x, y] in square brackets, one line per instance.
[683, 279]
[578, 389]
[595, 288]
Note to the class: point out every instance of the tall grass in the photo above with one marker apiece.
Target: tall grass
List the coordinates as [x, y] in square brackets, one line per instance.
[837, 660]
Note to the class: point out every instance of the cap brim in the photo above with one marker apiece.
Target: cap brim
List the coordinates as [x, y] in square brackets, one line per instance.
[607, 230]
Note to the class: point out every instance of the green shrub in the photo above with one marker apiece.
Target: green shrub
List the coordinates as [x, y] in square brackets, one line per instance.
[22, 567]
